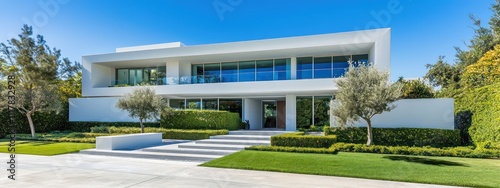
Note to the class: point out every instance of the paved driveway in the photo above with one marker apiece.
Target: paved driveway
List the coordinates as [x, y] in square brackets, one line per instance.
[78, 170]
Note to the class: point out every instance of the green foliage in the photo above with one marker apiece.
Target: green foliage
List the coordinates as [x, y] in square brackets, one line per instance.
[424, 151]
[312, 128]
[304, 109]
[37, 68]
[171, 133]
[142, 103]
[441, 74]
[294, 149]
[484, 103]
[45, 121]
[363, 93]
[415, 89]
[85, 126]
[298, 139]
[62, 137]
[399, 136]
[485, 72]
[196, 119]
[99, 129]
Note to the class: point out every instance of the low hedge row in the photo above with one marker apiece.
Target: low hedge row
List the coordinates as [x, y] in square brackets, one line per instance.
[62, 137]
[294, 149]
[43, 121]
[197, 119]
[398, 136]
[298, 139]
[167, 133]
[84, 126]
[424, 151]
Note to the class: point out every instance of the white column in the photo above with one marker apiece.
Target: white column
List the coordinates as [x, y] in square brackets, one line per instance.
[293, 68]
[291, 109]
[172, 72]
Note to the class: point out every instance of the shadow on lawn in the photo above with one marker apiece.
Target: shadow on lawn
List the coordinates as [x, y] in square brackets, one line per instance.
[426, 161]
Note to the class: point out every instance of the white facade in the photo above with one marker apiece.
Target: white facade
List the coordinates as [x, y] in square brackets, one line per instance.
[221, 76]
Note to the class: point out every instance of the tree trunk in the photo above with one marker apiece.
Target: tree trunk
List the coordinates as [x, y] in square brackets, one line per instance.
[142, 126]
[369, 134]
[32, 127]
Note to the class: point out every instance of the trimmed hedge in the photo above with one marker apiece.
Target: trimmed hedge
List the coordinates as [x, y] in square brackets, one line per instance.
[43, 121]
[484, 103]
[197, 119]
[298, 139]
[63, 137]
[84, 126]
[294, 149]
[424, 151]
[168, 133]
[398, 136]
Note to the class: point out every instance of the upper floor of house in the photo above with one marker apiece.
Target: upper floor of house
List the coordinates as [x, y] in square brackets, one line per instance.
[305, 60]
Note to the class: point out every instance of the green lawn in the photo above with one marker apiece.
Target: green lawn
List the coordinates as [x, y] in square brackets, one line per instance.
[44, 147]
[435, 170]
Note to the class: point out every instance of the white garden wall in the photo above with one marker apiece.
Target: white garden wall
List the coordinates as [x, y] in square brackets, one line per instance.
[97, 109]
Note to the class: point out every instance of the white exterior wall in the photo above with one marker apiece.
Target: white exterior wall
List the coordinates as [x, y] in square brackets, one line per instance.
[416, 113]
[172, 72]
[291, 110]
[97, 109]
[253, 112]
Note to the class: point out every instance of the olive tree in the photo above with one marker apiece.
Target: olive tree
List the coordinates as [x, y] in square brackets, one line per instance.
[142, 103]
[363, 93]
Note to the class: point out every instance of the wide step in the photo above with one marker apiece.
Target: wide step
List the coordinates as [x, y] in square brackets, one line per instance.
[233, 142]
[151, 155]
[191, 151]
[242, 137]
[257, 133]
[213, 147]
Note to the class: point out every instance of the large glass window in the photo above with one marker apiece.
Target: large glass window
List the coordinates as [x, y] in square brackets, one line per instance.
[135, 76]
[212, 73]
[247, 71]
[197, 73]
[121, 76]
[193, 104]
[231, 105]
[304, 67]
[340, 65]
[210, 104]
[323, 67]
[162, 75]
[264, 70]
[282, 69]
[304, 112]
[229, 72]
[177, 103]
[359, 59]
[321, 110]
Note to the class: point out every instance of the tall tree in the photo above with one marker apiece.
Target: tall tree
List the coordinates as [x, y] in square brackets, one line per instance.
[142, 103]
[363, 93]
[415, 89]
[37, 69]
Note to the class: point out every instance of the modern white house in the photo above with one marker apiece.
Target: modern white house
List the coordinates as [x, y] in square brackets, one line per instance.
[281, 83]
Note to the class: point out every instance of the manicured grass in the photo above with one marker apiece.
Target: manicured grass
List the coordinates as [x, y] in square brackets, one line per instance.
[44, 147]
[434, 170]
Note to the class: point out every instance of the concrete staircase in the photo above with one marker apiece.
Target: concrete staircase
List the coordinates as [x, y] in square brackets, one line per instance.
[200, 150]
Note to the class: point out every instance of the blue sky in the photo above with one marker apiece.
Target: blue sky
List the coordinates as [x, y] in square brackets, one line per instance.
[422, 30]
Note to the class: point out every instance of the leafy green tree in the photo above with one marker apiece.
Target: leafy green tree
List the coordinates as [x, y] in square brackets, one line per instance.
[37, 69]
[142, 103]
[415, 89]
[485, 72]
[363, 93]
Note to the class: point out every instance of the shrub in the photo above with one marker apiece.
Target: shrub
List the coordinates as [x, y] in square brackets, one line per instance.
[300, 140]
[84, 126]
[425, 151]
[484, 103]
[170, 133]
[99, 129]
[43, 121]
[294, 149]
[399, 136]
[197, 119]
[463, 121]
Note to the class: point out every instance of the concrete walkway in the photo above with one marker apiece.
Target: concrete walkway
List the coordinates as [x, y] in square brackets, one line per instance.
[78, 170]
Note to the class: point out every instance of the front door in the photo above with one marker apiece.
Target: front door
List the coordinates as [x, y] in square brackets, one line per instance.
[269, 109]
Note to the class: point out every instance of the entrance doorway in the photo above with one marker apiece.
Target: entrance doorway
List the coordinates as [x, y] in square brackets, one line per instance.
[269, 116]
